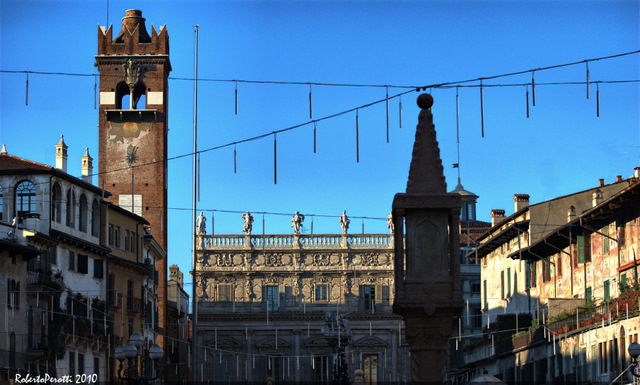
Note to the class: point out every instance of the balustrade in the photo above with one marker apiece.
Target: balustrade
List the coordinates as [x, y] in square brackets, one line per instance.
[302, 241]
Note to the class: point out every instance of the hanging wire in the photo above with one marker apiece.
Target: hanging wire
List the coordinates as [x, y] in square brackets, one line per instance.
[198, 177]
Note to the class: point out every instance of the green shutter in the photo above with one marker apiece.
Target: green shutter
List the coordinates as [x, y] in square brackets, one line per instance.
[606, 290]
[580, 241]
[588, 295]
[605, 241]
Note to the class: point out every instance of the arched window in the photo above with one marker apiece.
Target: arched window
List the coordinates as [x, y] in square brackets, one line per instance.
[56, 206]
[25, 198]
[84, 208]
[1, 205]
[71, 208]
[95, 218]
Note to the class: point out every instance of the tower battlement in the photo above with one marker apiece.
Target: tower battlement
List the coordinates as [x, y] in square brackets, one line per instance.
[133, 38]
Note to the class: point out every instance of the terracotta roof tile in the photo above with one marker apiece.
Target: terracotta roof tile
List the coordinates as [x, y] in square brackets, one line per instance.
[10, 162]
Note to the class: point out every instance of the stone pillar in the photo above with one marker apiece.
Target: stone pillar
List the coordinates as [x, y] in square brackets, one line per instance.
[427, 272]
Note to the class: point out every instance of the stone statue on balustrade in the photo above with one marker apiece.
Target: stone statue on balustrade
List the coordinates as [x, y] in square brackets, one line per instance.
[344, 222]
[296, 222]
[248, 223]
[390, 221]
[201, 224]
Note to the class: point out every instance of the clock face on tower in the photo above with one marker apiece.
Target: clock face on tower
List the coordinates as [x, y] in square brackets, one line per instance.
[127, 132]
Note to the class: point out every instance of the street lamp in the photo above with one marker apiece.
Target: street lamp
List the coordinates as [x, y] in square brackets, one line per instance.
[634, 352]
[131, 354]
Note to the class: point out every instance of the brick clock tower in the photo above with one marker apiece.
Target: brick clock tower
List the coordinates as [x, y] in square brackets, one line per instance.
[134, 68]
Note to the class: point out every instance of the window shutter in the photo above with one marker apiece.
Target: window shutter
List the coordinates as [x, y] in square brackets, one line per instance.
[378, 294]
[281, 297]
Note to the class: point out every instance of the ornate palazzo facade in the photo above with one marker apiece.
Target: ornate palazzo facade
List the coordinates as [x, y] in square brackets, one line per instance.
[276, 306]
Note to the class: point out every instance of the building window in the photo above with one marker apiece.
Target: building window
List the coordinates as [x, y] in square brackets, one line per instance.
[369, 297]
[25, 198]
[80, 363]
[72, 260]
[588, 295]
[607, 289]
[84, 212]
[13, 294]
[584, 248]
[71, 208]
[1, 205]
[98, 269]
[83, 264]
[321, 292]
[502, 288]
[224, 293]
[116, 236]
[370, 366]
[72, 364]
[546, 270]
[484, 294]
[95, 218]
[508, 282]
[605, 241]
[272, 298]
[96, 366]
[111, 229]
[52, 255]
[126, 239]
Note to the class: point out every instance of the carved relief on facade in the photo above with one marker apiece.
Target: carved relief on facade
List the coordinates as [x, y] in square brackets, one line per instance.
[317, 345]
[273, 260]
[319, 260]
[306, 292]
[201, 288]
[271, 344]
[370, 259]
[223, 342]
[336, 291]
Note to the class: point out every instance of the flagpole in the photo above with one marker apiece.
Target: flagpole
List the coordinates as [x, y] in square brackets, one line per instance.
[194, 302]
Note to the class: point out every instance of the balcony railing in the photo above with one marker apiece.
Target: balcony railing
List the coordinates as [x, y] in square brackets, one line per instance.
[303, 241]
[45, 278]
[135, 305]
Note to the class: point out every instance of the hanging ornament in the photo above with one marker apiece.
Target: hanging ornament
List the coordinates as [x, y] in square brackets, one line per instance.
[533, 89]
[236, 97]
[198, 183]
[527, 101]
[95, 91]
[400, 110]
[597, 100]
[27, 91]
[587, 64]
[387, 106]
[275, 159]
[357, 139]
[235, 160]
[310, 105]
[481, 109]
[314, 136]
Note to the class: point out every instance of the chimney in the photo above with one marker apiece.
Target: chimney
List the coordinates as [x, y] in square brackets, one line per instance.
[175, 274]
[133, 20]
[87, 167]
[601, 182]
[571, 214]
[497, 216]
[520, 201]
[597, 197]
[636, 170]
[61, 155]
[619, 178]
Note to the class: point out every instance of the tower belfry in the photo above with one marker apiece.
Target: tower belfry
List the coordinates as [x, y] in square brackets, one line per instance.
[134, 68]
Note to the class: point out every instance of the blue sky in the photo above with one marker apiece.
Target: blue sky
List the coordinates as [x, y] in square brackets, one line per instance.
[563, 147]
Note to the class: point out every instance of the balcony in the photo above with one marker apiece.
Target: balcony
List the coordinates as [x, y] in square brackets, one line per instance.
[135, 305]
[114, 300]
[46, 278]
